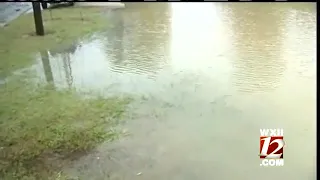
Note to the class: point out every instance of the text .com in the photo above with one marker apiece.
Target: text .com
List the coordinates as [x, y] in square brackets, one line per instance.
[272, 162]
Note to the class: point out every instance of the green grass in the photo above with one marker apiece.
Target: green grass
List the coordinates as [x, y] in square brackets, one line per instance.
[62, 27]
[41, 123]
[41, 128]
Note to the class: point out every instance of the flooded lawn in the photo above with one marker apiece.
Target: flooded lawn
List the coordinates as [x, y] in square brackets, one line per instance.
[209, 75]
[42, 127]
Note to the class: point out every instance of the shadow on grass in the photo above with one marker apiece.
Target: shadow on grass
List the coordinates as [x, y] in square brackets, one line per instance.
[42, 129]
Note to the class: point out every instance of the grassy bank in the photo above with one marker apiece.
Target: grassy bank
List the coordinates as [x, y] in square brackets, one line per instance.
[41, 128]
[62, 27]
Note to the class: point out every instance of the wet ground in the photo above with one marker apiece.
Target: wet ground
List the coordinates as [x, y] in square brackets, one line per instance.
[211, 75]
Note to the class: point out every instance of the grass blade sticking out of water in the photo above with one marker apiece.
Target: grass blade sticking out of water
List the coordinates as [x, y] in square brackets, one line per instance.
[38, 124]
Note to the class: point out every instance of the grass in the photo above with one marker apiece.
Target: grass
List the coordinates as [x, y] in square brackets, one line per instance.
[41, 123]
[42, 128]
[62, 27]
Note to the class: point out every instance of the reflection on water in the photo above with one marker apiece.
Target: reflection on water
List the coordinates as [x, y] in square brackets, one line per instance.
[46, 66]
[215, 73]
[124, 45]
[258, 62]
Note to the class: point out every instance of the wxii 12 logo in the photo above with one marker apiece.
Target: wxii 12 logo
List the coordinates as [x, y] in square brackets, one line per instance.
[271, 147]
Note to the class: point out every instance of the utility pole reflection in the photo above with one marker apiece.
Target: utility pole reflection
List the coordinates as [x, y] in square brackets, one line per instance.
[47, 68]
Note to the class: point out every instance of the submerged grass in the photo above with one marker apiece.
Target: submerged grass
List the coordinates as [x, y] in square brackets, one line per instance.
[62, 27]
[38, 124]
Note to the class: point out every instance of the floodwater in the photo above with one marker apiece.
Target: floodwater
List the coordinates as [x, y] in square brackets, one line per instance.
[211, 75]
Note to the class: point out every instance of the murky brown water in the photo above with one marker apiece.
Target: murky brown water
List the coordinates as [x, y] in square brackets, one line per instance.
[212, 74]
